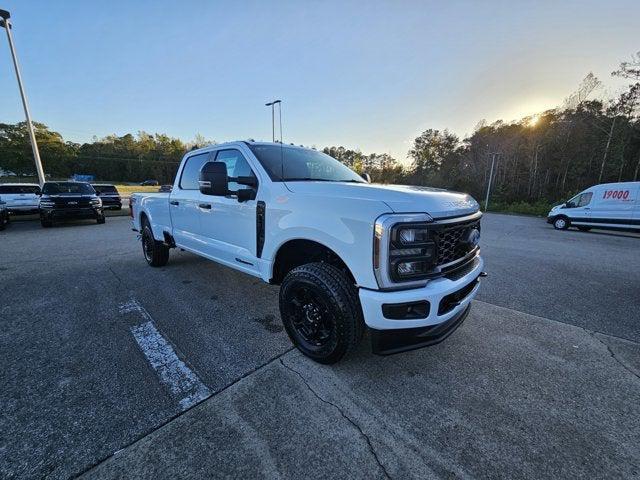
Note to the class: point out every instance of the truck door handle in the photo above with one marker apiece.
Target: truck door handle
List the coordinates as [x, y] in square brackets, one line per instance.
[206, 206]
[174, 202]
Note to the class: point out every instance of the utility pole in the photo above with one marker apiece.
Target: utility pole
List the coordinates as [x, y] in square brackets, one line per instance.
[486, 200]
[273, 122]
[4, 15]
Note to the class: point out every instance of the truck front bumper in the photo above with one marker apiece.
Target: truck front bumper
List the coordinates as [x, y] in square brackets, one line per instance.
[448, 305]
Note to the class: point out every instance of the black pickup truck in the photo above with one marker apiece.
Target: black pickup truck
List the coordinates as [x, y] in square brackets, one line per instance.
[69, 200]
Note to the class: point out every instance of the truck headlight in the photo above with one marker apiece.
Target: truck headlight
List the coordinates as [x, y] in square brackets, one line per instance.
[47, 204]
[403, 250]
[96, 202]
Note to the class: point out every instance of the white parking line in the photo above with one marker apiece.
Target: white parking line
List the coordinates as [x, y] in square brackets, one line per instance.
[183, 383]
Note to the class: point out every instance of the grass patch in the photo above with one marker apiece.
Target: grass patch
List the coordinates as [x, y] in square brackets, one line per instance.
[129, 189]
[540, 208]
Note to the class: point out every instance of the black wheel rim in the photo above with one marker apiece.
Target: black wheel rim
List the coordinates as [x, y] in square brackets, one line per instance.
[147, 247]
[310, 317]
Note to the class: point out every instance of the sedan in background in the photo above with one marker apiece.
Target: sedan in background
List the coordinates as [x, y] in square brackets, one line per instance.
[20, 197]
[109, 195]
[150, 183]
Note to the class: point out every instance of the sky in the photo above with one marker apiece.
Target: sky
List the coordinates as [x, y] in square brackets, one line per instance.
[368, 75]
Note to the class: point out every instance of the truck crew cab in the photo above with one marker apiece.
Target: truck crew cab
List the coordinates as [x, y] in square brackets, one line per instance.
[402, 261]
[609, 206]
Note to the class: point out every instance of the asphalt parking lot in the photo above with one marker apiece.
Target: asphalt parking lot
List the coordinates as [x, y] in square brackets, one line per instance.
[112, 369]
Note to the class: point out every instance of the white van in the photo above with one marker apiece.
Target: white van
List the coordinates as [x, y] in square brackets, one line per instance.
[612, 206]
[20, 197]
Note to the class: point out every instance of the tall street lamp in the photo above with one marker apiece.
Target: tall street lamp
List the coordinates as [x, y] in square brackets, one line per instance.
[4, 15]
[273, 123]
[486, 200]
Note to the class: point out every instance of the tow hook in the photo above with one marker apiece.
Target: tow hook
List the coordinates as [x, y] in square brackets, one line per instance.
[484, 274]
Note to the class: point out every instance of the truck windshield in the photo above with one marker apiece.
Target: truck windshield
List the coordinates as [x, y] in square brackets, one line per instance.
[290, 164]
[67, 187]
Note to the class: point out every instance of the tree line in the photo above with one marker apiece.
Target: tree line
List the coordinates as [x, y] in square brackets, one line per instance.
[545, 158]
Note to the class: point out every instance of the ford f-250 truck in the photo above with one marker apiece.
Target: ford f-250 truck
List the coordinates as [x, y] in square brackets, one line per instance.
[402, 261]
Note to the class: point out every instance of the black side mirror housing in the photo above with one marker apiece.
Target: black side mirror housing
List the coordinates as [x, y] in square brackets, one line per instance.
[249, 181]
[366, 177]
[214, 179]
[246, 194]
[569, 205]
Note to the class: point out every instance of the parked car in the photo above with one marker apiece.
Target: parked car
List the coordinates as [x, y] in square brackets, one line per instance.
[69, 200]
[150, 183]
[109, 195]
[609, 206]
[165, 188]
[20, 198]
[4, 215]
[403, 261]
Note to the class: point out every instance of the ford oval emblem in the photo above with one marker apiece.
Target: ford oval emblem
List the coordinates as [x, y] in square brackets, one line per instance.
[473, 238]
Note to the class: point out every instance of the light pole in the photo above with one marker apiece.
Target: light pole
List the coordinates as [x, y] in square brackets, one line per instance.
[273, 122]
[4, 15]
[486, 200]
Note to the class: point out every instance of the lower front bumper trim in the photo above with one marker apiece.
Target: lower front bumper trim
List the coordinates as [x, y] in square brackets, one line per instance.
[388, 342]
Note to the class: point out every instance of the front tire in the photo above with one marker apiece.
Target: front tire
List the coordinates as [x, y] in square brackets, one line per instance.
[155, 253]
[101, 219]
[561, 223]
[46, 223]
[321, 312]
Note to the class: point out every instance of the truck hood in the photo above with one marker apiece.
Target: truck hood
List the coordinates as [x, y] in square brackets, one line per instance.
[399, 198]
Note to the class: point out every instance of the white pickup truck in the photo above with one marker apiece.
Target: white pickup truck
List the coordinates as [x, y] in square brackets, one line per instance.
[403, 261]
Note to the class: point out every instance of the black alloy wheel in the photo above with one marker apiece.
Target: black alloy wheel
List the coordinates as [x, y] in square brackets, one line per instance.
[321, 311]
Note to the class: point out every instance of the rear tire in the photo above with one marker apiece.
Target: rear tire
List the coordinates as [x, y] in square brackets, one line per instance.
[321, 312]
[583, 228]
[561, 223]
[155, 253]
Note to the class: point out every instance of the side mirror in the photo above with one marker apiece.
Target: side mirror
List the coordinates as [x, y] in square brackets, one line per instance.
[246, 194]
[249, 181]
[214, 179]
[366, 177]
[569, 205]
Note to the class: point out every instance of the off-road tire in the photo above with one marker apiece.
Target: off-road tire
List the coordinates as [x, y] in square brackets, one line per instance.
[155, 253]
[339, 300]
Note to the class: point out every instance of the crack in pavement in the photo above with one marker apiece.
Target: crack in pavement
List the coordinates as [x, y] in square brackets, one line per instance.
[344, 415]
[613, 355]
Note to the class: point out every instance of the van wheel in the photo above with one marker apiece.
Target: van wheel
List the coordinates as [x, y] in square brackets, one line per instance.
[155, 253]
[561, 223]
[321, 312]
[583, 228]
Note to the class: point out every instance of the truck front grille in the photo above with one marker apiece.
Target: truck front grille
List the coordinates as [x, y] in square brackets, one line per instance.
[451, 241]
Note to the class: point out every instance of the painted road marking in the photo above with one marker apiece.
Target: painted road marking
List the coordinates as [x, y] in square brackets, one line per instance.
[183, 383]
